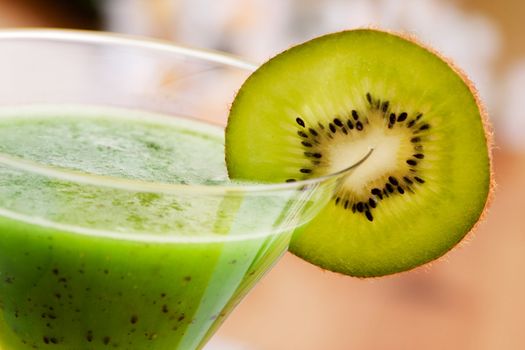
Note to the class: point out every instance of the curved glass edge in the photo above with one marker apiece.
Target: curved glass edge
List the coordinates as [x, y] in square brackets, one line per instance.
[96, 37]
[167, 188]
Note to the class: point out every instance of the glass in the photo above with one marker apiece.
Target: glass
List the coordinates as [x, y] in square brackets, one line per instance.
[82, 275]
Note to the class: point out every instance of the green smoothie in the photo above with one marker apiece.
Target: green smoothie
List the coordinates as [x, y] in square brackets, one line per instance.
[89, 266]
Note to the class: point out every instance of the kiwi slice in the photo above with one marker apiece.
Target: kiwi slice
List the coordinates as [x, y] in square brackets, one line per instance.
[319, 106]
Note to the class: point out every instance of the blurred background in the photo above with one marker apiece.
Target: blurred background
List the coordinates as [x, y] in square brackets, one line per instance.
[474, 298]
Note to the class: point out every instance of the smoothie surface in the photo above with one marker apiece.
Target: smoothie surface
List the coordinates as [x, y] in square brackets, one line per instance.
[116, 142]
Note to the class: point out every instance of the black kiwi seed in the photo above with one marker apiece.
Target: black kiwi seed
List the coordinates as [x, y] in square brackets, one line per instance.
[392, 118]
[300, 121]
[419, 155]
[369, 215]
[332, 127]
[338, 122]
[376, 191]
[359, 126]
[359, 206]
[384, 106]
[306, 171]
[411, 162]
[290, 180]
[400, 189]
[347, 202]
[369, 97]
[418, 179]
[343, 129]
[302, 133]
[415, 139]
[317, 155]
[389, 188]
[306, 144]
[372, 202]
[407, 180]
[393, 180]
[411, 123]
[353, 208]
[402, 117]
[355, 115]
[313, 132]
[350, 124]
[337, 200]
[424, 127]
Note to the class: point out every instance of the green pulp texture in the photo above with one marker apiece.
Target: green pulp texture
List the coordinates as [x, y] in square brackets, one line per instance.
[87, 267]
[316, 86]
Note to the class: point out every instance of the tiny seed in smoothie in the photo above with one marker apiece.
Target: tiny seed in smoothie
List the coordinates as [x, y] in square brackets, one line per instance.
[134, 319]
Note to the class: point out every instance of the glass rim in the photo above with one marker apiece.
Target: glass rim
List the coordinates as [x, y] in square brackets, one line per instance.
[109, 38]
[105, 37]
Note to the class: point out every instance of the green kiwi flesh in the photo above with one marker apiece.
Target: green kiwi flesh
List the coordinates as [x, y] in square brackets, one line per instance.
[317, 108]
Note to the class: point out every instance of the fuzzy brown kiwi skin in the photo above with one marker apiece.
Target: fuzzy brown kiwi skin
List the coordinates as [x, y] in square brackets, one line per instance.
[489, 137]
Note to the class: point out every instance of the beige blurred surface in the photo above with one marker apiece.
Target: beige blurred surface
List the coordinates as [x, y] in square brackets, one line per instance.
[473, 299]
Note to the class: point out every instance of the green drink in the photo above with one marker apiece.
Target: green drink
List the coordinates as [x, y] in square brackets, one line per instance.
[85, 266]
